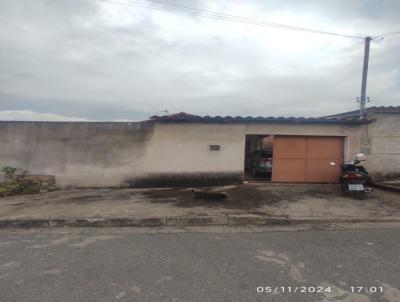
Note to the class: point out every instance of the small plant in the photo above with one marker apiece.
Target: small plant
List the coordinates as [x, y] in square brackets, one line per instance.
[15, 185]
[27, 186]
[9, 173]
[21, 186]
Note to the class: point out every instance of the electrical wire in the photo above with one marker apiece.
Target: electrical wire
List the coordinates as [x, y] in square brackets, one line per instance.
[384, 35]
[223, 17]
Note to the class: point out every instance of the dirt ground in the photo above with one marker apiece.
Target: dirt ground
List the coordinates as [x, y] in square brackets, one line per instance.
[295, 201]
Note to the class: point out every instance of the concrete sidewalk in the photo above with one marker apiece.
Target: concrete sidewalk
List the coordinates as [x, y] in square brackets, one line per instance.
[248, 204]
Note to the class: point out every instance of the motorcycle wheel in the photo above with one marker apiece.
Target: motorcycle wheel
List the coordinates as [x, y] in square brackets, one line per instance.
[360, 195]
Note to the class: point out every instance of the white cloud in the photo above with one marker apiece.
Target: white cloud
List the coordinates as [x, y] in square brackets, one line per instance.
[26, 115]
[104, 61]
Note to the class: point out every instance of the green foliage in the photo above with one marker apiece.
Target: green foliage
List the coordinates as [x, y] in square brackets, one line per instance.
[7, 189]
[9, 172]
[15, 185]
[23, 186]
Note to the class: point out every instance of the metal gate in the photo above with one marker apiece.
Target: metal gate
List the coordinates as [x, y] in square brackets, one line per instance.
[306, 159]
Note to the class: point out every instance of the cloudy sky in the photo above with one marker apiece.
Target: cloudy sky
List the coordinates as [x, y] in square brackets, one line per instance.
[95, 60]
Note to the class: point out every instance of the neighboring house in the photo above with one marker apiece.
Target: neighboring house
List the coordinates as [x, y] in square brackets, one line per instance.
[381, 140]
[187, 150]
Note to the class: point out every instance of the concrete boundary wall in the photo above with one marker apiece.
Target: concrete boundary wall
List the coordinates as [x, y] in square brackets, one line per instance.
[77, 153]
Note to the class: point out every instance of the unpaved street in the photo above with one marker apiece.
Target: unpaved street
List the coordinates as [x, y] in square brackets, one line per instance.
[127, 265]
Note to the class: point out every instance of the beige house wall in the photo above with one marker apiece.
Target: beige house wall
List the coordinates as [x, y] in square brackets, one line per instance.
[182, 148]
[381, 142]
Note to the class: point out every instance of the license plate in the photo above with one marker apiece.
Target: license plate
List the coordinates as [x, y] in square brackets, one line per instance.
[356, 187]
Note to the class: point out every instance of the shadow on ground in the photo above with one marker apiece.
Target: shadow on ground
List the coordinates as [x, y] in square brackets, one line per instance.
[241, 196]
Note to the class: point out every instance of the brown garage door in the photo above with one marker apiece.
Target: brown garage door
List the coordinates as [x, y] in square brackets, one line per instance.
[306, 159]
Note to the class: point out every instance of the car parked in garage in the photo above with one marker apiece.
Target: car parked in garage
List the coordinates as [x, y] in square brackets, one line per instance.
[259, 161]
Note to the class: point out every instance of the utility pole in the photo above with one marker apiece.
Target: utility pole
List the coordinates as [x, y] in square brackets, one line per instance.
[363, 96]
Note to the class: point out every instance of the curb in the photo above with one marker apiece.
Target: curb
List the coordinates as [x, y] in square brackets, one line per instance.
[243, 220]
[387, 187]
[83, 222]
[181, 221]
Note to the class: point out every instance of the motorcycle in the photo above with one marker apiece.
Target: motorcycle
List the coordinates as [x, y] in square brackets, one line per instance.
[354, 179]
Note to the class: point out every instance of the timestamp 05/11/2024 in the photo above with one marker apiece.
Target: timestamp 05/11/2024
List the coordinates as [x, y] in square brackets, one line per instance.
[316, 289]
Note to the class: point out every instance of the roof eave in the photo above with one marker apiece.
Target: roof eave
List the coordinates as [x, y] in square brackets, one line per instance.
[263, 121]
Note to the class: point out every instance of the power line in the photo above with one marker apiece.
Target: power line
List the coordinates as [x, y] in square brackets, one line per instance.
[224, 17]
[257, 20]
[384, 35]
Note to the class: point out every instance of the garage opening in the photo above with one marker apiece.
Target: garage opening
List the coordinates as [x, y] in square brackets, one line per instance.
[292, 158]
[258, 157]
